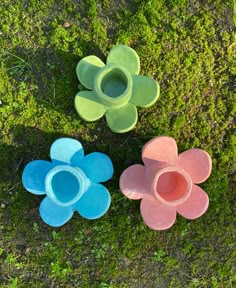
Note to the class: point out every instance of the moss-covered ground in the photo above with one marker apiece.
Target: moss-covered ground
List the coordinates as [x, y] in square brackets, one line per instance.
[187, 46]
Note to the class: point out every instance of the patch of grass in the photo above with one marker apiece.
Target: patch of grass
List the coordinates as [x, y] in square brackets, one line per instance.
[187, 47]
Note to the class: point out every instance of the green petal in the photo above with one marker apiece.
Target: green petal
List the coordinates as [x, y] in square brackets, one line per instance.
[145, 91]
[126, 57]
[88, 106]
[86, 70]
[123, 119]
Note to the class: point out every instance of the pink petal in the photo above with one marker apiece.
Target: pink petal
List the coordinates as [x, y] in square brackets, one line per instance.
[197, 163]
[196, 205]
[132, 182]
[163, 149]
[157, 216]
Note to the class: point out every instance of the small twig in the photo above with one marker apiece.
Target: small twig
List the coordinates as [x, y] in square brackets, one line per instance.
[68, 252]
[11, 189]
[18, 165]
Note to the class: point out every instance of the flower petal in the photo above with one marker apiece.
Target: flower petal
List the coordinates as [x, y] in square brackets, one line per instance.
[66, 150]
[34, 174]
[123, 119]
[97, 166]
[132, 182]
[88, 106]
[162, 149]
[197, 163]
[94, 203]
[53, 214]
[125, 56]
[196, 205]
[86, 70]
[157, 216]
[145, 91]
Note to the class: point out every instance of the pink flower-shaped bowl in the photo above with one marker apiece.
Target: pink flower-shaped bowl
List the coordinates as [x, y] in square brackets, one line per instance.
[167, 182]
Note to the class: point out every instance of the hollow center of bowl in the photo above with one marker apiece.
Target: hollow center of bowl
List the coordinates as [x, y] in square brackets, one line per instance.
[65, 186]
[172, 186]
[114, 83]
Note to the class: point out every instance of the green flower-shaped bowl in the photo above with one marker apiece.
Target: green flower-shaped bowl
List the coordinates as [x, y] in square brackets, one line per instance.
[115, 89]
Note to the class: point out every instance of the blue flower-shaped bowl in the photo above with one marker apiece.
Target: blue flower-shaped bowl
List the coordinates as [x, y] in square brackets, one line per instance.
[70, 182]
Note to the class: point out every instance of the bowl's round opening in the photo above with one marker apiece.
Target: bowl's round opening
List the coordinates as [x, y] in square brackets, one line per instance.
[172, 186]
[65, 186]
[114, 83]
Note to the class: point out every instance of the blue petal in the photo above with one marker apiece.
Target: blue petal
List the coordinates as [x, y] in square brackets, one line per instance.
[53, 214]
[34, 174]
[97, 166]
[66, 150]
[94, 203]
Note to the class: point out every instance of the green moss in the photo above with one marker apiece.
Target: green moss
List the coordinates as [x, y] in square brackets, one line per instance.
[185, 46]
